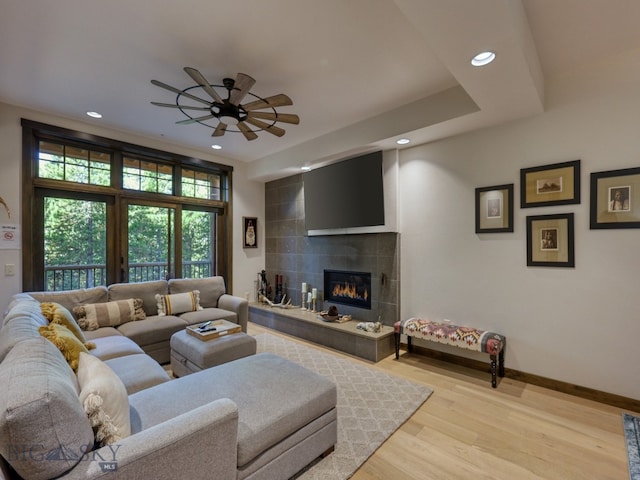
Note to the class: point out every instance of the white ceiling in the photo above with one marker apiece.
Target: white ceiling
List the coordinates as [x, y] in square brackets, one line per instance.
[361, 73]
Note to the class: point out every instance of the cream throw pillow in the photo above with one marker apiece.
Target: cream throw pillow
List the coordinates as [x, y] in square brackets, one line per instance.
[178, 303]
[110, 314]
[104, 399]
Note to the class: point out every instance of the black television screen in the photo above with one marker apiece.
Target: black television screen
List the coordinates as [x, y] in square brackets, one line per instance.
[346, 194]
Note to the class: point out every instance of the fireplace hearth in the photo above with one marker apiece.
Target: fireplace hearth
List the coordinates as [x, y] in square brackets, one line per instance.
[348, 288]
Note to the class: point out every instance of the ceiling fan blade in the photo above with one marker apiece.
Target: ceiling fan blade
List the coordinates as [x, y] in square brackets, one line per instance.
[242, 85]
[280, 100]
[276, 117]
[272, 129]
[179, 92]
[220, 129]
[200, 80]
[185, 107]
[247, 132]
[189, 121]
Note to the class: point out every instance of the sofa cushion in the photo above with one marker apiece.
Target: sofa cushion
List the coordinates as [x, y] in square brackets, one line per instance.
[275, 398]
[114, 346]
[176, 303]
[56, 313]
[109, 314]
[145, 290]
[73, 298]
[21, 323]
[66, 342]
[104, 399]
[207, 314]
[138, 372]
[152, 330]
[43, 429]
[210, 288]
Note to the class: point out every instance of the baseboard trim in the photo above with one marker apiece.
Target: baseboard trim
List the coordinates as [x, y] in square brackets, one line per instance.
[612, 399]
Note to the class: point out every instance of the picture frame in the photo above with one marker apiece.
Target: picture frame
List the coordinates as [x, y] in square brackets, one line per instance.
[550, 240]
[553, 184]
[249, 232]
[615, 199]
[494, 209]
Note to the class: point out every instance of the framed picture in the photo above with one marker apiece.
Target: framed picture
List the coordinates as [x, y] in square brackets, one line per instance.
[494, 209]
[615, 199]
[550, 241]
[250, 232]
[555, 184]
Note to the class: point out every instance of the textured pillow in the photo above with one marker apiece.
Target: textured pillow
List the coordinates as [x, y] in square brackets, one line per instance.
[178, 303]
[67, 342]
[109, 314]
[104, 399]
[41, 419]
[56, 313]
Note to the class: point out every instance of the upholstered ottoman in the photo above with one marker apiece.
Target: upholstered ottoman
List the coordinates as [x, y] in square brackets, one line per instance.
[190, 354]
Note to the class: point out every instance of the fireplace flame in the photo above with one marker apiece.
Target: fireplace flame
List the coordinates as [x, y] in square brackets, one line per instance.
[349, 290]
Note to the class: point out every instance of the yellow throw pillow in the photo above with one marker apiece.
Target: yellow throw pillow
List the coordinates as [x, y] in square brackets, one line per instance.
[56, 313]
[65, 341]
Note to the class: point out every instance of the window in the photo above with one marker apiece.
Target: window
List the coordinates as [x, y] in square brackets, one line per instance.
[200, 184]
[98, 211]
[72, 164]
[147, 176]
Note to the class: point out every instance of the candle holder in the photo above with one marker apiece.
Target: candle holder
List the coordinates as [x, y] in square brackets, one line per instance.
[304, 301]
[314, 300]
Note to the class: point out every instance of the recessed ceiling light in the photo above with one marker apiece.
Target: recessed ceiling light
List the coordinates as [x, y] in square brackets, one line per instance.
[403, 141]
[483, 58]
[94, 114]
[305, 168]
[216, 147]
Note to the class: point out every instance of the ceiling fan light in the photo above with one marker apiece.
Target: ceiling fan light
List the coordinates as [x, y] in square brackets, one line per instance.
[229, 120]
[483, 58]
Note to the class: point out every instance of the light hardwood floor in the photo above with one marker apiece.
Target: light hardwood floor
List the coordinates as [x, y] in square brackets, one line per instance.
[467, 430]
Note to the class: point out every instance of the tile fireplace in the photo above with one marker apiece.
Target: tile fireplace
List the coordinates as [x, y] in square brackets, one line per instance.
[348, 288]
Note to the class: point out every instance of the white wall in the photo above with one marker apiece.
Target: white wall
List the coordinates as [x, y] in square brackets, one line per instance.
[579, 325]
[248, 196]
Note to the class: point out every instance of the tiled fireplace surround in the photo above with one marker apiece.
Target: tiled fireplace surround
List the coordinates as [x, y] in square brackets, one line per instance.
[300, 258]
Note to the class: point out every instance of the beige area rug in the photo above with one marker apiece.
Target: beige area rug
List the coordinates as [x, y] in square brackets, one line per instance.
[371, 405]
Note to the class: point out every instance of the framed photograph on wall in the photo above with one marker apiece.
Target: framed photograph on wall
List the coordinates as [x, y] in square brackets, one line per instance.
[550, 241]
[546, 185]
[494, 209]
[615, 199]
[250, 232]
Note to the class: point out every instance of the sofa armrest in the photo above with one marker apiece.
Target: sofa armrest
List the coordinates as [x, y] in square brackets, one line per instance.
[238, 305]
[199, 444]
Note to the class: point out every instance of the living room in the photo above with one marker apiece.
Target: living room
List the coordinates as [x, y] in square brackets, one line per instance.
[574, 326]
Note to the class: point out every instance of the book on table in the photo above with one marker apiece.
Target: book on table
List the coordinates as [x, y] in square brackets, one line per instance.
[213, 329]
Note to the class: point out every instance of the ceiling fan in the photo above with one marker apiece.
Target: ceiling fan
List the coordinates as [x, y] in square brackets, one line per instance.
[230, 111]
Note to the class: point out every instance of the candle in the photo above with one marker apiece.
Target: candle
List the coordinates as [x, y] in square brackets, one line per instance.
[314, 293]
[309, 297]
[304, 287]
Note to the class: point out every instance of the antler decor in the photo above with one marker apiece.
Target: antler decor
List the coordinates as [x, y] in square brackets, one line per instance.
[6, 207]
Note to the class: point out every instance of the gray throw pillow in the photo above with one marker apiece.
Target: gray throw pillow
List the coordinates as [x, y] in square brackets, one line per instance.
[44, 430]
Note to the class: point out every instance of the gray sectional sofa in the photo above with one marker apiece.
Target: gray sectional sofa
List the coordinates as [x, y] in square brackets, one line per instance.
[259, 417]
[154, 332]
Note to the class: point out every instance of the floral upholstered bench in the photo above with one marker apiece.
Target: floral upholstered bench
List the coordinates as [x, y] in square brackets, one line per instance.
[462, 337]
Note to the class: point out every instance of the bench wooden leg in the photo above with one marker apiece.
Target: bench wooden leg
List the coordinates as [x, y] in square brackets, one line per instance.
[409, 346]
[501, 362]
[396, 338]
[494, 382]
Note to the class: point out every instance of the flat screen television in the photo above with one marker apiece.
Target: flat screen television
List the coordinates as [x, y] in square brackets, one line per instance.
[346, 194]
